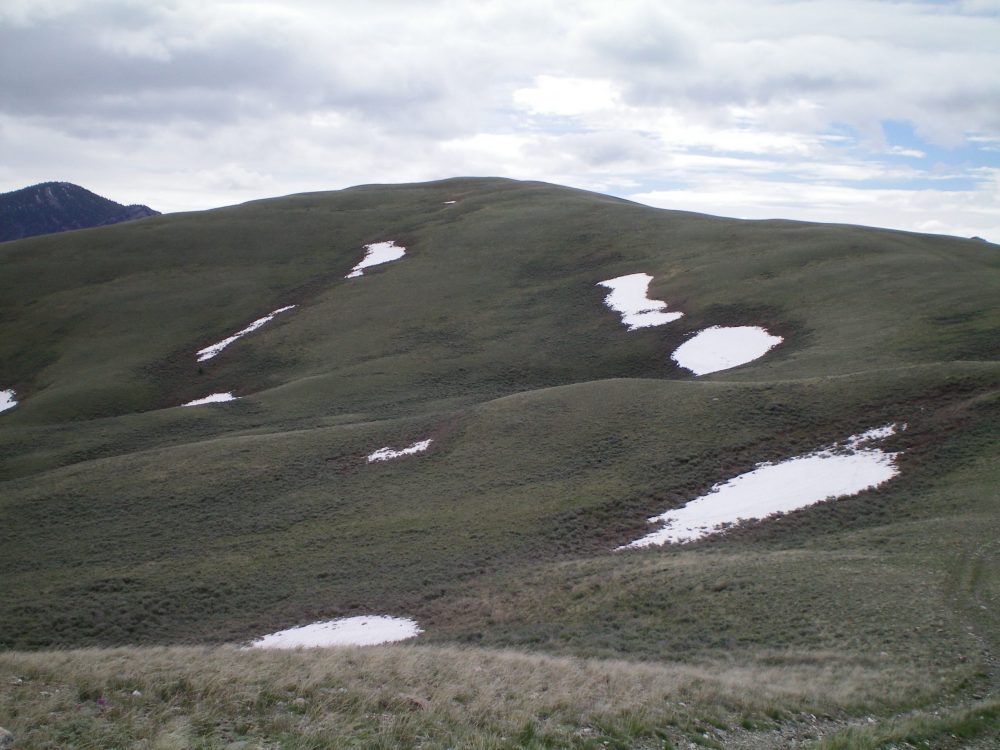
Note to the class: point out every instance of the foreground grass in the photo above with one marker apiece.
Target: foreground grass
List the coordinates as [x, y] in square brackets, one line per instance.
[428, 697]
[972, 726]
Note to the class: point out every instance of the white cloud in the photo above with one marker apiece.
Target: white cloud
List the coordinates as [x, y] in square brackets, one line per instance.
[966, 213]
[566, 96]
[912, 152]
[183, 104]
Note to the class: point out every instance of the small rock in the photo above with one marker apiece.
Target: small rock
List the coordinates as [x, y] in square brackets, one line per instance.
[136, 694]
[6, 739]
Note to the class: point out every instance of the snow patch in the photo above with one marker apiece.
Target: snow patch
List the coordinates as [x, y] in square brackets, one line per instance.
[214, 398]
[873, 435]
[385, 454]
[7, 400]
[628, 297]
[837, 471]
[379, 252]
[719, 348]
[449, 203]
[349, 631]
[210, 351]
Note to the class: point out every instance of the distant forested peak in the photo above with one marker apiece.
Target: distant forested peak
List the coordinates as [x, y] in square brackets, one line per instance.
[51, 207]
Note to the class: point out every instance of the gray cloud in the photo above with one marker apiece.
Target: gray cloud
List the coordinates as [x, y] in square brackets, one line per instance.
[650, 37]
[207, 103]
[91, 64]
[177, 60]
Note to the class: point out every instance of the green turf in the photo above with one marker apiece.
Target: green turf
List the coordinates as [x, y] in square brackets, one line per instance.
[126, 520]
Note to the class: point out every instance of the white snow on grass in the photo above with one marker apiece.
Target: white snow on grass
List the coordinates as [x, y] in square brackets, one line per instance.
[349, 631]
[838, 471]
[379, 252]
[449, 203]
[7, 400]
[210, 351]
[214, 398]
[628, 297]
[386, 454]
[719, 348]
[875, 434]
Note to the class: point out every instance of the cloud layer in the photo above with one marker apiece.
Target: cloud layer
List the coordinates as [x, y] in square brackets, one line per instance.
[882, 113]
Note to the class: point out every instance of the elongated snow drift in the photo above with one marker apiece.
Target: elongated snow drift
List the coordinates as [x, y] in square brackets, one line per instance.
[376, 254]
[213, 398]
[349, 631]
[210, 351]
[840, 470]
[387, 454]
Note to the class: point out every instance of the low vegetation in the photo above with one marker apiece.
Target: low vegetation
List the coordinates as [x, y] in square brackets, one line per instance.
[431, 697]
[141, 543]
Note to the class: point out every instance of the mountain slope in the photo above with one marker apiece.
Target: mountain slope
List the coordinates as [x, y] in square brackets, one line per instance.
[59, 207]
[497, 294]
[555, 434]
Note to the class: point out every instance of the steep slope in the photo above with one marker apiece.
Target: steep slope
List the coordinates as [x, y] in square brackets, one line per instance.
[58, 207]
[554, 431]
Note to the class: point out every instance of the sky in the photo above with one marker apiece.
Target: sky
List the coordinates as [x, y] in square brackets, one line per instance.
[857, 111]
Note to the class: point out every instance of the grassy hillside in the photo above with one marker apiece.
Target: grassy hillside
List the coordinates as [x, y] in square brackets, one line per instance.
[128, 521]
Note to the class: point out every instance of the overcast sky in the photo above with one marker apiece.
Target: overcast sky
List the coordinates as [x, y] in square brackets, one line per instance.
[870, 112]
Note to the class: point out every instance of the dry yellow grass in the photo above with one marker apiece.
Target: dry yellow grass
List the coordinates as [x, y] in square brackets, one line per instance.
[414, 696]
